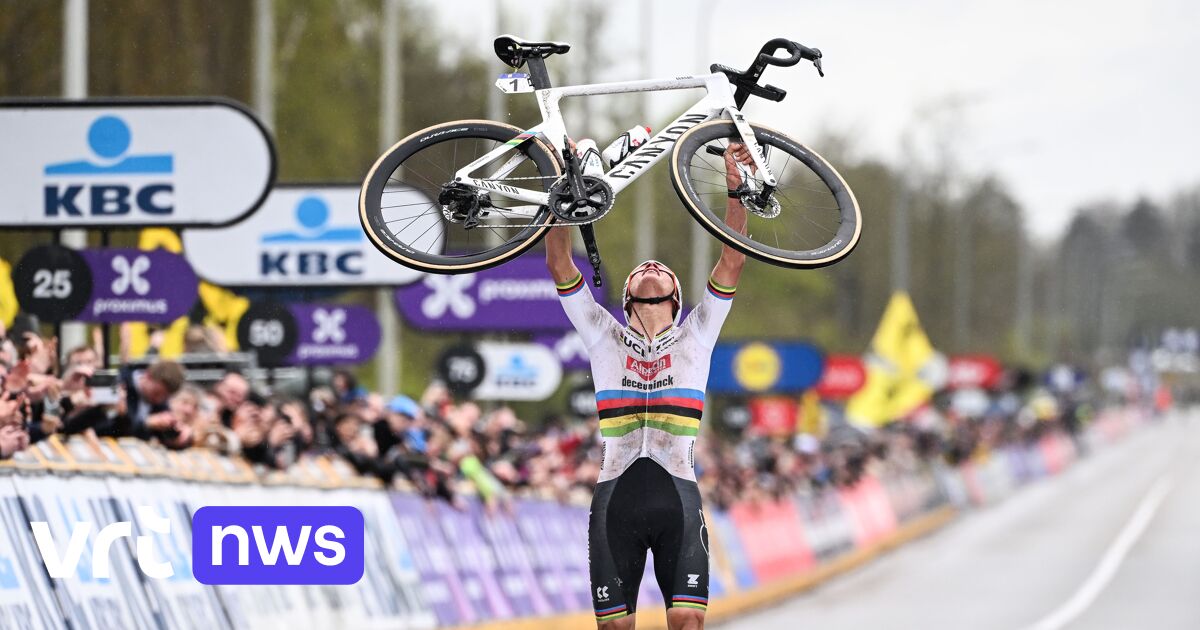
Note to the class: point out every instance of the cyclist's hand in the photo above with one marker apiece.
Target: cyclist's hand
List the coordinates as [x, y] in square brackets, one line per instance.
[737, 152]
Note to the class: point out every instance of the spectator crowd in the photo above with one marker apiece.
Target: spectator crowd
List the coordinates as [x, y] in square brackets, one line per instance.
[444, 447]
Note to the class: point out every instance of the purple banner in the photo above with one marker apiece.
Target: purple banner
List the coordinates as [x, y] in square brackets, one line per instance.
[565, 529]
[441, 587]
[518, 295]
[549, 565]
[568, 347]
[725, 530]
[131, 285]
[476, 563]
[333, 333]
[513, 568]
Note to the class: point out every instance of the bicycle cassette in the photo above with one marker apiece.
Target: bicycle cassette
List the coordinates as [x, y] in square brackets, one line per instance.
[599, 201]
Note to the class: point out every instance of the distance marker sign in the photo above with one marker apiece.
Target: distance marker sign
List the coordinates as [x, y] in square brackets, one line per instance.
[52, 282]
[308, 334]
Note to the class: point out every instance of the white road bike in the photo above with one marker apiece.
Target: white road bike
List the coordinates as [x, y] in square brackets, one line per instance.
[491, 190]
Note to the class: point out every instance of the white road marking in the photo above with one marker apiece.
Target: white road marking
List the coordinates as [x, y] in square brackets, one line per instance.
[1110, 562]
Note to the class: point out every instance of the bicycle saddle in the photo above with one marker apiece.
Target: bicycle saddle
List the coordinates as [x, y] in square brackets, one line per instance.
[514, 51]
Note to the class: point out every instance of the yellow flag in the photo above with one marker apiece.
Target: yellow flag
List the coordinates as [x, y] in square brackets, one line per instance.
[903, 369]
[8, 297]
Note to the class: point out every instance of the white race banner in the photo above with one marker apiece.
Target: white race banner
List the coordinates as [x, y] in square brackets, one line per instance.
[86, 597]
[26, 599]
[518, 371]
[131, 162]
[301, 236]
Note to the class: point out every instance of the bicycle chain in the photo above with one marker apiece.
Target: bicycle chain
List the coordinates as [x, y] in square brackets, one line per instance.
[528, 225]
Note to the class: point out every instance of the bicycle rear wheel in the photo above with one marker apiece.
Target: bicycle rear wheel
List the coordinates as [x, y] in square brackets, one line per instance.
[817, 221]
[399, 204]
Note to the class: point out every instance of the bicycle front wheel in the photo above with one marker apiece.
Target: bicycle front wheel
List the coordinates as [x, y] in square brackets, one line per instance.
[813, 220]
[401, 210]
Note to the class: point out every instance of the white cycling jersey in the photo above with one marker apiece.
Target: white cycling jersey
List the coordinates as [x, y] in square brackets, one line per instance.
[649, 392]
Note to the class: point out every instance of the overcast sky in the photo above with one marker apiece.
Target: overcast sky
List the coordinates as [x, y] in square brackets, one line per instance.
[1069, 101]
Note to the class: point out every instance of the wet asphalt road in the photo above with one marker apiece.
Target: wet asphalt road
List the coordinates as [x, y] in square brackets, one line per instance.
[1113, 543]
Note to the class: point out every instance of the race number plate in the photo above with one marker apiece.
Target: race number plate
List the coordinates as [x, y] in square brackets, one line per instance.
[514, 83]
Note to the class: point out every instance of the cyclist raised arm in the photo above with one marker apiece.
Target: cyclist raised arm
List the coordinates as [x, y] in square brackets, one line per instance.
[729, 267]
[558, 255]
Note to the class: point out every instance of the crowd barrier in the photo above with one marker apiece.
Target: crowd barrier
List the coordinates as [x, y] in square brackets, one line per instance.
[430, 564]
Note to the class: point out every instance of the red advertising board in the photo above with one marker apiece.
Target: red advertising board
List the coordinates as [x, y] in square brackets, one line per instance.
[869, 509]
[773, 415]
[974, 371]
[772, 537]
[844, 375]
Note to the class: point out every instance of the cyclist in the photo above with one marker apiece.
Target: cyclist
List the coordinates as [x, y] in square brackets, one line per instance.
[650, 377]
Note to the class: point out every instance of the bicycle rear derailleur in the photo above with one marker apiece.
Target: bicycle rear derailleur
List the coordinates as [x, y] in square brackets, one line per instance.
[461, 204]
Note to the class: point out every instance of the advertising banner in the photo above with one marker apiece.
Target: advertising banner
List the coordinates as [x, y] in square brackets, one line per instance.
[568, 347]
[516, 296]
[549, 566]
[565, 529]
[968, 371]
[441, 588]
[773, 415]
[302, 236]
[131, 285]
[329, 334]
[844, 374]
[735, 554]
[514, 569]
[773, 536]
[391, 570]
[764, 367]
[517, 371]
[869, 511]
[131, 162]
[87, 598]
[475, 561]
[185, 602]
[26, 597]
[827, 528]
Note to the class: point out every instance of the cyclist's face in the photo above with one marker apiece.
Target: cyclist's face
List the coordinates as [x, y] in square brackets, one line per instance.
[651, 279]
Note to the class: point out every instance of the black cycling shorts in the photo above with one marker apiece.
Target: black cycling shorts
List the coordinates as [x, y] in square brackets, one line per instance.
[647, 508]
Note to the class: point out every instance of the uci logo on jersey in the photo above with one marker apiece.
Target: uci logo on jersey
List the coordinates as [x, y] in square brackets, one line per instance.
[112, 182]
[313, 248]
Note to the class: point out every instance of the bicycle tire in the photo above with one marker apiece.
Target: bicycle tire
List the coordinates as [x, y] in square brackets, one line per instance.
[687, 185]
[374, 222]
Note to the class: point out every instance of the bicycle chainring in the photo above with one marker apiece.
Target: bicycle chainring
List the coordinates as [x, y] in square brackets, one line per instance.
[600, 200]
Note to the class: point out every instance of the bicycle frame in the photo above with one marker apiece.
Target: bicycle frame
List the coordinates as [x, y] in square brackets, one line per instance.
[717, 102]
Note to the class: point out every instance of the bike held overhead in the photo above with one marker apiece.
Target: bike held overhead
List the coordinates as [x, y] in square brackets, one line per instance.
[467, 195]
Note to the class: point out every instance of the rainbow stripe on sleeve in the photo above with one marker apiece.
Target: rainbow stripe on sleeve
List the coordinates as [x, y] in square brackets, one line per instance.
[570, 288]
[720, 291]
